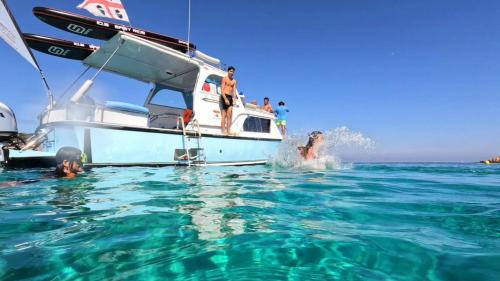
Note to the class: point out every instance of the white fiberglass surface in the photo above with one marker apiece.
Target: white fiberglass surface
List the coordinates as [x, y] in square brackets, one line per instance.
[146, 61]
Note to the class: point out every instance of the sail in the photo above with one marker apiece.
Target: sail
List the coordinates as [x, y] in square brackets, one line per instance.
[10, 33]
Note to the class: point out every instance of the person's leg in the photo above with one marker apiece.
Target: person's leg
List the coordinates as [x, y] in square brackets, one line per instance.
[284, 130]
[278, 123]
[223, 121]
[229, 118]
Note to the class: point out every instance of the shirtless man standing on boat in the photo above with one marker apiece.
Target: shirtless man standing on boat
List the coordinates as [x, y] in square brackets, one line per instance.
[267, 106]
[228, 94]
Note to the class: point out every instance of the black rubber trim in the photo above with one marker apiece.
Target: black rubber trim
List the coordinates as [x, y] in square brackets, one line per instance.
[31, 162]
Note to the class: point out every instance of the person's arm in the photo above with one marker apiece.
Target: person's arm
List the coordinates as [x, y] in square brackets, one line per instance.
[17, 183]
[9, 184]
[222, 91]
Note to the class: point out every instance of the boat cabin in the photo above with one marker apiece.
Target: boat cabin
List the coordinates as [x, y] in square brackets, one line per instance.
[186, 93]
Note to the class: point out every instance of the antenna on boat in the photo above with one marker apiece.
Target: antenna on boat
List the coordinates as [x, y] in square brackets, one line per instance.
[88, 83]
[189, 25]
[11, 33]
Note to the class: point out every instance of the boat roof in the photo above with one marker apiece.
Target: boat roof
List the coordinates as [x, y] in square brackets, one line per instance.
[146, 61]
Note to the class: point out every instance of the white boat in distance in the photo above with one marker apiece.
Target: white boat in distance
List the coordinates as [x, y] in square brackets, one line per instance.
[155, 134]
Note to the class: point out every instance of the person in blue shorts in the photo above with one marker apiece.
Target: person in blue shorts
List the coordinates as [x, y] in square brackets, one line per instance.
[281, 117]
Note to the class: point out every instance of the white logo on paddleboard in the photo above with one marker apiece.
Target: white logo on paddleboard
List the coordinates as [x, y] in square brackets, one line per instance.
[101, 23]
[129, 29]
[79, 29]
[58, 51]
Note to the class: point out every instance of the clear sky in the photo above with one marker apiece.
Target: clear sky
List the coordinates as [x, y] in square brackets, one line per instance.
[421, 78]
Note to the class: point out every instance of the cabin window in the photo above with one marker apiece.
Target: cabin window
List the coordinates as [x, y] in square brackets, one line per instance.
[166, 106]
[171, 98]
[212, 84]
[255, 124]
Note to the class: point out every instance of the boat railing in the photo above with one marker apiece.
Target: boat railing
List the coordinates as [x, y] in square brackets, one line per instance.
[184, 141]
[199, 154]
[208, 60]
[180, 121]
[192, 154]
[196, 125]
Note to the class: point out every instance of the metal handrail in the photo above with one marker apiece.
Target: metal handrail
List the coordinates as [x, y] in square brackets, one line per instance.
[184, 137]
[179, 118]
[195, 122]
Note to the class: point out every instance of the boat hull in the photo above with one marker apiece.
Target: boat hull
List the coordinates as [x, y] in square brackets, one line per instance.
[121, 146]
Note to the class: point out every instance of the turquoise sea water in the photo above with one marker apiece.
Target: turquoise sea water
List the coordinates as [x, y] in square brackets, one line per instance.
[362, 222]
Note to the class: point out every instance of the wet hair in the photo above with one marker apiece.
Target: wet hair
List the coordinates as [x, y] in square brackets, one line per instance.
[231, 68]
[315, 133]
[70, 154]
[59, 172]
[281, 103]
[313, 136]
[266, 98]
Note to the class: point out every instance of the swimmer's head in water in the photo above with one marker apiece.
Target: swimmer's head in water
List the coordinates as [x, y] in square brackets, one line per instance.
[69, 162]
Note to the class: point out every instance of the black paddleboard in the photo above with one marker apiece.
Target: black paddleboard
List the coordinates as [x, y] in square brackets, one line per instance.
[60, 48]
[102, 30]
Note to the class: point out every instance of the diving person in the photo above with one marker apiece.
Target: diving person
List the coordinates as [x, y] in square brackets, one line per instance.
[311, 149]
[228, 94]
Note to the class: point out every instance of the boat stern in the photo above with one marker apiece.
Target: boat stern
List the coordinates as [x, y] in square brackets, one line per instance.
[27, 159]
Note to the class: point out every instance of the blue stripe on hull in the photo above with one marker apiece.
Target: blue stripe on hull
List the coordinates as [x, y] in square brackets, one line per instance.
[111, 146]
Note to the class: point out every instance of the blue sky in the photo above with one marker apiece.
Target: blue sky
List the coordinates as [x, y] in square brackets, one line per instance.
[421, 78]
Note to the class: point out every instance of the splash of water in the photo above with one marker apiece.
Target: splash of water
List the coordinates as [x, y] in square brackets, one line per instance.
[335, 141]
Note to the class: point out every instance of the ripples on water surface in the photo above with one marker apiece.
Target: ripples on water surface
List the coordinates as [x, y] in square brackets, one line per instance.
[367, 222]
